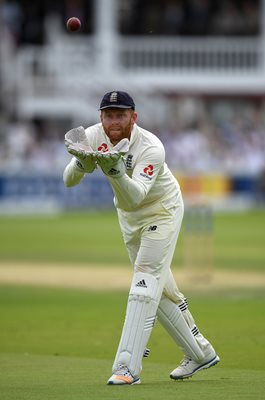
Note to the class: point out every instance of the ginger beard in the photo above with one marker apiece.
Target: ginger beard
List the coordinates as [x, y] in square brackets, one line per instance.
[118, 123]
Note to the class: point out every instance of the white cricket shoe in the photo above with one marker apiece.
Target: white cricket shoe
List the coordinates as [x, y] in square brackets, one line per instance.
[189, 367]
[123, 377]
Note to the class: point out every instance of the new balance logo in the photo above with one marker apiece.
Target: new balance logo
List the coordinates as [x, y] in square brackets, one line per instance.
[152, 228]
[141, 284]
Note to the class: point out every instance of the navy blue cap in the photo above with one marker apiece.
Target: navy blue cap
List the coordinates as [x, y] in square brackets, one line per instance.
[117, 99]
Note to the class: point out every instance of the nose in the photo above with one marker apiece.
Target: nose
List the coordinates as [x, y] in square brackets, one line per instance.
[115, 120]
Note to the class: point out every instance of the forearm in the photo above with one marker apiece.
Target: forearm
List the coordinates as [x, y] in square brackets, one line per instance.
[128, 191]
[72, 174]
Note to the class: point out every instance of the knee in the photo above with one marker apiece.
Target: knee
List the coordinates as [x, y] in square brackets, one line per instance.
[145, 287]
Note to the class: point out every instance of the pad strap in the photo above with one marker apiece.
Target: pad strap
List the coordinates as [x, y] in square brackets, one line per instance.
[170, 316]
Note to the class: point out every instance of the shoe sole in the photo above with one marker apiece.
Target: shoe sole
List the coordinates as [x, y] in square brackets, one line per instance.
[136, 382]
[122, 383]
[207, 365]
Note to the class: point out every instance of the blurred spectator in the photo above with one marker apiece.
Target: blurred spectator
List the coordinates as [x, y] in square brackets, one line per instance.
[229, 20]
[25, 19]
[221, 135]
[198, 18]
[33, 23]
[191, 17]
[12, 18]
[252, 16]
[173, 21]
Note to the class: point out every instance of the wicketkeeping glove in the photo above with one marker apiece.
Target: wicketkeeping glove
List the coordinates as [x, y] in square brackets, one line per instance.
[77, 144]
[112, 162]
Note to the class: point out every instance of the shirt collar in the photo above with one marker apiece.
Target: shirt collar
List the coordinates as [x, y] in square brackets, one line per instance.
[133, 134]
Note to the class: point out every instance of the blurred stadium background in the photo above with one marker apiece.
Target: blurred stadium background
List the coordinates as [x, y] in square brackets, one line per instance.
[196, 69]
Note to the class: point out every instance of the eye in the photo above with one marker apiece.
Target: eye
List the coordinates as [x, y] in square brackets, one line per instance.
[107, 115]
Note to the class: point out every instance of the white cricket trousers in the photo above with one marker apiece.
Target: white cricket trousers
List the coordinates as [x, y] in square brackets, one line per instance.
[150, 237]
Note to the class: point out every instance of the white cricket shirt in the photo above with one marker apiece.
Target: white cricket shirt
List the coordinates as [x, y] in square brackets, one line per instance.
[148, 179]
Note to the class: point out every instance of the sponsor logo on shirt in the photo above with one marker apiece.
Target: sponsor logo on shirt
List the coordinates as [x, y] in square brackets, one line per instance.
[103, 147]
[148, 172]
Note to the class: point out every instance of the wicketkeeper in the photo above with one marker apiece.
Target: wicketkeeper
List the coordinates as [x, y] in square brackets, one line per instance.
[150, 211]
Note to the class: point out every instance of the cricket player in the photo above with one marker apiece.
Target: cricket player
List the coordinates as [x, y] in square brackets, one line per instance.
[150, 211]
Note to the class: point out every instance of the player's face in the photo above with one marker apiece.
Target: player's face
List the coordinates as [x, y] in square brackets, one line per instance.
[118, 123]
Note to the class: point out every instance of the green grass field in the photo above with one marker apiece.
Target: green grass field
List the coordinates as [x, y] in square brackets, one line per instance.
[60, 343]
[239, 239]
[54, 345]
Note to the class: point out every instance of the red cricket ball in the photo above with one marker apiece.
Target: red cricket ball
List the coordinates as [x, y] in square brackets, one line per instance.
[73, 24]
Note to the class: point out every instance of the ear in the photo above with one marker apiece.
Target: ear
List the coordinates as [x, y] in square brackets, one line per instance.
[134, 117]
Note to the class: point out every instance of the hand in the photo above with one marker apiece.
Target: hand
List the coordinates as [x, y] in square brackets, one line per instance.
[85, 157]
[76, 135]
[112, 163]
[77, 145]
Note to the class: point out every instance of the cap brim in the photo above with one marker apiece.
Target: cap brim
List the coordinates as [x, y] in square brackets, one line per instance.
[116, 106]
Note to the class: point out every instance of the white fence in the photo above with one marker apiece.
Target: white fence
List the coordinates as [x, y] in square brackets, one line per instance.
[205, 55]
